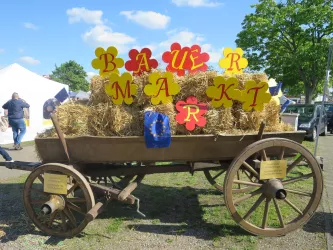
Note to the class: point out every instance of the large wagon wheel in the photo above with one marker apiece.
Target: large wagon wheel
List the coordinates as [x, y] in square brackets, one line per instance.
[295, 197]
[216, 179]
[57, 214]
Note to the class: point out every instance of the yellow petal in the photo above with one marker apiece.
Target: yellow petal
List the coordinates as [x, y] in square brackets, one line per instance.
[155, 100]
[99, 51]
[212, 92]
[239, 51]
[112, 50]
[149, 90]
[119, 62]
[227, 51]
[96, 64]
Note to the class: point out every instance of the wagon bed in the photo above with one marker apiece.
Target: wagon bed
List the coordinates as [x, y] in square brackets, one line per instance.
[194, 148]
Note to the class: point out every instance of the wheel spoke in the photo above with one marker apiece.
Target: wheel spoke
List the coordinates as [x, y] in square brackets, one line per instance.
[294, 164]
[76, 200]
[263, 154]
[52, 217]
[63, 221]
[278, 211]
[264, 220]
[248, 183]
[41, 179]
[293, 206]
[248, 196]
[238, 179]
[70, 216]
[281, 153]
[72, 188]
[75, 208]
[292, 180]
[254, 207]
[251, 169]
[298, 192]
[219, 174]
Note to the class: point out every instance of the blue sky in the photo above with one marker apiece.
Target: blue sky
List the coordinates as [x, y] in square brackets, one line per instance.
[39, 34]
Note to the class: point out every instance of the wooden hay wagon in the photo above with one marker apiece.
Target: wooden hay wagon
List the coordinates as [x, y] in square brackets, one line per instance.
[270, 172]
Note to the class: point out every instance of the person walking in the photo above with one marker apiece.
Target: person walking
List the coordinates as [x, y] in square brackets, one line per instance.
[5, 155]
[15, 108]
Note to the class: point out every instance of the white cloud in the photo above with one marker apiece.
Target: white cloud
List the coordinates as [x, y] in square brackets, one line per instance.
[21, 51]
[183, 37]
[214, 54]
[29, 60]
[90, 75]
[2, 50]
[196, 3]
[82, 14]
[102, 35]
[30, 26]
[148, 19]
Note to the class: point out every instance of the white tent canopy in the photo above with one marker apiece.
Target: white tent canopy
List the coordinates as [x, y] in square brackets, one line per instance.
[31, 87]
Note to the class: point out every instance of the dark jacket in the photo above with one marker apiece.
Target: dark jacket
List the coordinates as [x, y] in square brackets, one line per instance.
[15, 108]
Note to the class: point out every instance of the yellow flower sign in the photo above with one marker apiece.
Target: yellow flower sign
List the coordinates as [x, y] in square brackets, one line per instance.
[255, 95]
[233, 62]
[223, 92]
[107, 61]
[120, 88]
[162, 88]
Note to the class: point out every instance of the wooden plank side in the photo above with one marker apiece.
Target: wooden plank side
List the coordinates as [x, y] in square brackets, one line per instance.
[89, 149]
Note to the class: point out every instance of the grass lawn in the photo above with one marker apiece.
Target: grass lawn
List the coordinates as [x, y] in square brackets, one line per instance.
[183, 212]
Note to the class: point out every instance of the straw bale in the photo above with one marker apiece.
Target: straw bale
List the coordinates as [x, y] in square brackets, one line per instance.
[218, 121]
[97, 89]
[195, 85]
[106, 119]
[73, 119]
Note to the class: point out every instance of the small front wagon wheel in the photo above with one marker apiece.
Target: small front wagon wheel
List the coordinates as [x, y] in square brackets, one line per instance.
[275, 206]
[60, 215]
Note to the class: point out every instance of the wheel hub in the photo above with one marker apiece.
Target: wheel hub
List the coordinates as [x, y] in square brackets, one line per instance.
[56, 202]
[274, 189]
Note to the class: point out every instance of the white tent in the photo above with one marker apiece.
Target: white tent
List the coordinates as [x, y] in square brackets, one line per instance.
[31, 87]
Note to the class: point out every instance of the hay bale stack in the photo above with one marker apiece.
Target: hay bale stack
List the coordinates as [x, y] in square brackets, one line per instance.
[195, 85]
[73, 119]
[115, 120]
[219, 121]
[102, 118]
[97, 89]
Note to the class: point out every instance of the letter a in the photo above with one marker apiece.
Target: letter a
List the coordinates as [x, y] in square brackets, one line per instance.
[163, 84]
[143, 62]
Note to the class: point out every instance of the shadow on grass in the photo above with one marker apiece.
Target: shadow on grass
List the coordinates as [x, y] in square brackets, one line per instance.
[321, 222]
[169, 211]
[167, 205]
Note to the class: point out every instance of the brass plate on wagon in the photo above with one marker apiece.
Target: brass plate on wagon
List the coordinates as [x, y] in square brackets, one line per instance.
[276, 169]
[55, 183]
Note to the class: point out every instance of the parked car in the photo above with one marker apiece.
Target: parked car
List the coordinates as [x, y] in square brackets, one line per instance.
[329, 112]
[308, 119]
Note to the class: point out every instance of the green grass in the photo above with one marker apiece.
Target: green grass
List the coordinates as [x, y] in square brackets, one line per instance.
[114, 225]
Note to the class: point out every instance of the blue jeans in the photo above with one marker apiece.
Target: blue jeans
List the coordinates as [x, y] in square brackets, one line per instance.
[19, 129]
[5, 155]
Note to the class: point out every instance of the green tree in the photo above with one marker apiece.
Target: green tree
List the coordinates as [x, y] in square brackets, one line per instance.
[72, 74]
[289, 41]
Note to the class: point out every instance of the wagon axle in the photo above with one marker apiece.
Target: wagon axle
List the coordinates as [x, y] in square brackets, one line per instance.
[56, 202]
[274, 189]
